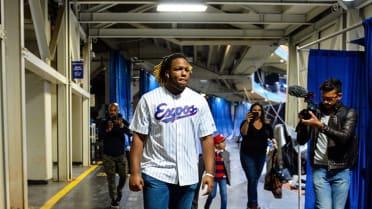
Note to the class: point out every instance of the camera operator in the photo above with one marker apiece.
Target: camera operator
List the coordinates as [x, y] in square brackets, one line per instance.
[331, 134]
[112, 132]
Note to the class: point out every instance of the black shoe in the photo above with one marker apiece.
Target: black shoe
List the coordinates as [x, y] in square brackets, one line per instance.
[114, 204]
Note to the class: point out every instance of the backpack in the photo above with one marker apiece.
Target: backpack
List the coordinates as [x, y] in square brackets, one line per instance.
[290, 156]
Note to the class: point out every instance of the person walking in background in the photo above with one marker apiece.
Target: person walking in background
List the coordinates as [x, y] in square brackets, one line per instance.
[255, 133]
[167, 125]
[112, 132]
[333, 147]
[222, 174]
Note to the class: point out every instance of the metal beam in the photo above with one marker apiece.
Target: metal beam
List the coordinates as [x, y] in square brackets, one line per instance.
[219, 2]
[56, 33]
[39, 25]
[39, 67]
[186, 33]
[212, 42]
[100, 7]
[76, 89]
[225, 57]
[200, 18]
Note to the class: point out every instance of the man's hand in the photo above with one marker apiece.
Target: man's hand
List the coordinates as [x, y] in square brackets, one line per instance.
[313, 121]
[136, 182]
[207, 181]
[110, 125]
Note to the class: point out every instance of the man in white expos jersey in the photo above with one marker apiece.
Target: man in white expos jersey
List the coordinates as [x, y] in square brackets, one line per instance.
[167, 125]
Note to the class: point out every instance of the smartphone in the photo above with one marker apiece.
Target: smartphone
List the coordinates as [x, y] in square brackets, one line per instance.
[254, 114]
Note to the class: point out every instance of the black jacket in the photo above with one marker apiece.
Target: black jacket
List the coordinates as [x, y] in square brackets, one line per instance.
[341, 137]
[114, 140]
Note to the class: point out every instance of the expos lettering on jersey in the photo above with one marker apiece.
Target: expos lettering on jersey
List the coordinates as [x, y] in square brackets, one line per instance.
[170, 114]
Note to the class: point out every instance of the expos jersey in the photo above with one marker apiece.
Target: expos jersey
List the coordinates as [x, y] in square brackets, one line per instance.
[174, 125]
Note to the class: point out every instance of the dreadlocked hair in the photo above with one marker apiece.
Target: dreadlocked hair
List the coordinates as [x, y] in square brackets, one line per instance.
[157, 69]
[165, 65]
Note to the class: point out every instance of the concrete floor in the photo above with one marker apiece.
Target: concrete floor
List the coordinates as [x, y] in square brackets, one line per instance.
[91, 192]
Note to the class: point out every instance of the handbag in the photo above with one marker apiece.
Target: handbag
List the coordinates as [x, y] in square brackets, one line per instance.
[273, 181]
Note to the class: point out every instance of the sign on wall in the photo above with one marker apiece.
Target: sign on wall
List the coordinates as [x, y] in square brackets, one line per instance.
[77, 69]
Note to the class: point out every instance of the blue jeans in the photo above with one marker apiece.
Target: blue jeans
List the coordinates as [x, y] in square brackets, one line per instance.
[331, 188]
[223, 193]
[252, 166]
[160, 195]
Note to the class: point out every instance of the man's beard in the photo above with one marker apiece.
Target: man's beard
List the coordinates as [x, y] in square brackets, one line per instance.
[174, 87]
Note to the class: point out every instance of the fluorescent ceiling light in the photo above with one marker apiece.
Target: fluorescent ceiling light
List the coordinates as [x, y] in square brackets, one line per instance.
[348, 0]
[184, 7]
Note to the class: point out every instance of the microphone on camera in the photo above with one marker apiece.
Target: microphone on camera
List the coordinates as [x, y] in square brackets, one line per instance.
[301, 92]
[298, 91]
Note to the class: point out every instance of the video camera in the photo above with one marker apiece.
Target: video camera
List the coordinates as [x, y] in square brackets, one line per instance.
[301, 92]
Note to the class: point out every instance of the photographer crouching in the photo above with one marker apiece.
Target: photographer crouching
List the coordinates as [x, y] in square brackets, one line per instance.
[332, 145]
[112, 132]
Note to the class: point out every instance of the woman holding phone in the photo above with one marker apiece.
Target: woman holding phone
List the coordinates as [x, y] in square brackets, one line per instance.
[255, 133]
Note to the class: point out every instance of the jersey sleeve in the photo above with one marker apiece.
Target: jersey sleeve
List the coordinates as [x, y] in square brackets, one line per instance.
[141, 119]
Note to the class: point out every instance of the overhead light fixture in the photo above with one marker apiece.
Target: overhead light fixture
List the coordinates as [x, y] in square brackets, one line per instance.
[181, 7]
[348, 0]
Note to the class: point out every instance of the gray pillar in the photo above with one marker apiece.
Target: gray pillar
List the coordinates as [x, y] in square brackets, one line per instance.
[64, 106]
[77, 136]
[39, 130]
[14, 105]
[3, 184]
[292, 107]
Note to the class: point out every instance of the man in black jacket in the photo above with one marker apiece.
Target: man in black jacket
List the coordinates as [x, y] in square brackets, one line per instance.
[331, 132]
[112, 132]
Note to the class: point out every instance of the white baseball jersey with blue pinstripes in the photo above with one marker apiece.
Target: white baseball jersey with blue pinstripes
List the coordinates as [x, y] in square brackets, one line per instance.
[174, 125]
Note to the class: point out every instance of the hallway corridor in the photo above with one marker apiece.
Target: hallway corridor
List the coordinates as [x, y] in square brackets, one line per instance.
[91, 192]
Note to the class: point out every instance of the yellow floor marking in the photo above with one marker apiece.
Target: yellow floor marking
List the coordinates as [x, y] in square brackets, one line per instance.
[52, 201]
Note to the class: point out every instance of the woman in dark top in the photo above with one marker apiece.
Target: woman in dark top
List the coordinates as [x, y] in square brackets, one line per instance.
[255, 133]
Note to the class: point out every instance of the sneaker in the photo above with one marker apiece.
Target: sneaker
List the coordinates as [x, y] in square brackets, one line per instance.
[114, 204]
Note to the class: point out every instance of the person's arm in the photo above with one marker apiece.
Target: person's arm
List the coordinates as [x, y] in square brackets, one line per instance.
[135, 180]
[208, 156]
[102, 130]
[346, 132]
[244, 128]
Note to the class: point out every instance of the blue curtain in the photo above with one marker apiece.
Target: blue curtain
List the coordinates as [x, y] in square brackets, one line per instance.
[221, 111]
[120, 83]
[147, 82]
[240, 110]
[347, 66]
[368, 77]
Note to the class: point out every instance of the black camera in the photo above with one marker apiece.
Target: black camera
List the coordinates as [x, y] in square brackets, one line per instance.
[115, 120]
[311, 106]
[305, 114]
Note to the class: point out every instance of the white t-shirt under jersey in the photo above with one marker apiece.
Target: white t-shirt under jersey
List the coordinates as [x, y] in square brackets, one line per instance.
[174, 125]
